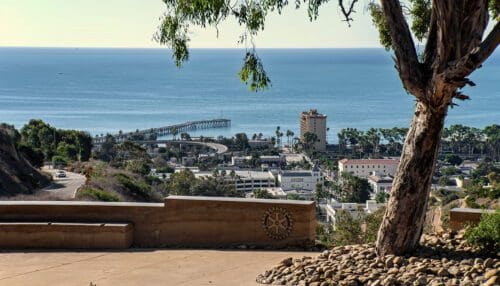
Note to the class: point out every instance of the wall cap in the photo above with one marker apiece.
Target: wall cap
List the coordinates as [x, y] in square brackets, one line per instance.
[470, 210]
[78, 203]
[241, 200]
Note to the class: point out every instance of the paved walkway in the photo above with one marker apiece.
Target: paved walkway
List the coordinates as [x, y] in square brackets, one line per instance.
[138, 267]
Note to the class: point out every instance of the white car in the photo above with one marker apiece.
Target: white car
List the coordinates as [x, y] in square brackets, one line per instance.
[61, 174]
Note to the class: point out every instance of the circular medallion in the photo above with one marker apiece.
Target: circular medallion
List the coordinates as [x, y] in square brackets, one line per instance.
[277, 223]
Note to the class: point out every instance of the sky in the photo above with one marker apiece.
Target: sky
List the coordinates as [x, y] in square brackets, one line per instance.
[132, 24]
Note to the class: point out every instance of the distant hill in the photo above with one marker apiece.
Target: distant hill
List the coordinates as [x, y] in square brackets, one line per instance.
[17, 176]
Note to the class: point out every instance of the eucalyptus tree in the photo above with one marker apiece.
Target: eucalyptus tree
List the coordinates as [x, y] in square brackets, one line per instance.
[453, 35]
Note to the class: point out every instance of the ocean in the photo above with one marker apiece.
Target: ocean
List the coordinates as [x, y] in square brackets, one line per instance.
[107, 90]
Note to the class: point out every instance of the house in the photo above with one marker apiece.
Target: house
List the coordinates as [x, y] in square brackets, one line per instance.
[246, 181]
[380, 183]
[300, 180]
[365, 167]
[359, 211]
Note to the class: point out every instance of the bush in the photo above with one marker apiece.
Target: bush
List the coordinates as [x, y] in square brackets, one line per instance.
[487, 233]
[59, 161]
[166, 169]
[137, 189]
[97, 195]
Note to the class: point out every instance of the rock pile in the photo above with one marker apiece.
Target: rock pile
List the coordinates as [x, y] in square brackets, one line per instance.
[441, 260]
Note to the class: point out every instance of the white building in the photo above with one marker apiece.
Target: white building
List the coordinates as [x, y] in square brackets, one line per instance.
[359, 211]
[240, 160]
[380, 183]
[276, 160]
[313, 122]
[246, 181]
[260, 143]
[365, 167]
[300, 180]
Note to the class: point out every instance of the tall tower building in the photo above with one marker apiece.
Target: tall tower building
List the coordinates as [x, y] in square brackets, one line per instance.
[314, 122]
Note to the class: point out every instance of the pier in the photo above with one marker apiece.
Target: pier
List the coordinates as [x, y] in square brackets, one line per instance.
[146, 134]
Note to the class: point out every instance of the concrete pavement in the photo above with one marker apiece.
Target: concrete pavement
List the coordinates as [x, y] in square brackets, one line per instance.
[138, 267]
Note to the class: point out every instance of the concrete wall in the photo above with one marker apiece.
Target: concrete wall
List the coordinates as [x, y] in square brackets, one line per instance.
[462, 217]
[185, 221]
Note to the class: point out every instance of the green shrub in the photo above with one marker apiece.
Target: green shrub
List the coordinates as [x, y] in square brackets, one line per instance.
[136, 188]
[471, 202]
[97, 195]
[487, 233]
[59, 161]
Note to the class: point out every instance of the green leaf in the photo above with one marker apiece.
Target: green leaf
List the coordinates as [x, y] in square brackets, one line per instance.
[253, 72]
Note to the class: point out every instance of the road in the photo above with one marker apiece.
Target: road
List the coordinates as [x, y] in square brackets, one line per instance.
[63, 188]
[219, 148]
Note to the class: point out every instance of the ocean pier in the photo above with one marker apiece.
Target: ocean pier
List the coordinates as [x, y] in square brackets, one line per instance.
[145, 134]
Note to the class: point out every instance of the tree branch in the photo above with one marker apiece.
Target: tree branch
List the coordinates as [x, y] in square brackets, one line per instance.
[404, 48]
[347, 12]
[431, 45]
[473, 60]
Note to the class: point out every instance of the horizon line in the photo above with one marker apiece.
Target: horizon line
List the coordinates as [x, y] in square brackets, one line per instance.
[194, 48]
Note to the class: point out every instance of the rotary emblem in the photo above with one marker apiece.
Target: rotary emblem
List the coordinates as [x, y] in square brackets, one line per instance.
[277, 223]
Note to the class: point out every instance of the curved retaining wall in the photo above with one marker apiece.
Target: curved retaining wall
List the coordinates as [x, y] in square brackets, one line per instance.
[185, 221]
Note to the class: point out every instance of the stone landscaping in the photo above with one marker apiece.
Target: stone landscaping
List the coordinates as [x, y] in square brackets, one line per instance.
[444, 259]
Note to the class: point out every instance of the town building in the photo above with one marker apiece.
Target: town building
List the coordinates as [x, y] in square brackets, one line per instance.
[240, 161]
[380, 183]
[246, 181]
[300, 180]
[269, 161]
[273, 161]
[365, 167]
[313, 122]
[359, 211]
[260, 143]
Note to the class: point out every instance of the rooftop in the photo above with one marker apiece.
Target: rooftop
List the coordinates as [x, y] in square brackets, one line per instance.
[241, 174]
[313, 113]
[370, 161]
[296, 174]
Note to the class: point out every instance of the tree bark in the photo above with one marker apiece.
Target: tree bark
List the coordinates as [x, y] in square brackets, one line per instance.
[404, 217]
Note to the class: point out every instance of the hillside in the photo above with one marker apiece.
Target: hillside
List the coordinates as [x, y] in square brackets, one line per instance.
[17, 176]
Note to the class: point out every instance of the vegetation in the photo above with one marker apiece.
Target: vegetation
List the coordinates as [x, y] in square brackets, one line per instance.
[454, 46]
[353, 189]
[487, 233]
[186, 184]
[457, 139]
[37, 141]
[295, 197]
[381, 197]
[262, 194]
[355, 230]
[97, 195]
[105, 182]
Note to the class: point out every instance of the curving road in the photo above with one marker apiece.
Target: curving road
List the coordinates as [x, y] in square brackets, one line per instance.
[63, 188]
[219, 148]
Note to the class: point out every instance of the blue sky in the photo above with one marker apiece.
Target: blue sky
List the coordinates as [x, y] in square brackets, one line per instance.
[132, 23]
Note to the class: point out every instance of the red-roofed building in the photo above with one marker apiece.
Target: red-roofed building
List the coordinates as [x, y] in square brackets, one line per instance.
[366, 167]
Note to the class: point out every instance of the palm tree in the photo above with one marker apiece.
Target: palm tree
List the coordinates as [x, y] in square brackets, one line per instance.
[174, 132]
[374, 137]
[309, 140]
[278, 141]
[289, 134]
[342, 140]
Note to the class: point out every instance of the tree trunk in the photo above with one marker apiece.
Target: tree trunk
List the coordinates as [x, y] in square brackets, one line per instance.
[405, 214]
